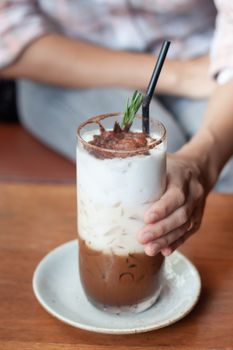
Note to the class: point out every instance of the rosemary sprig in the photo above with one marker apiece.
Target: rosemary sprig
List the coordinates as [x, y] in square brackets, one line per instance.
[131, 109]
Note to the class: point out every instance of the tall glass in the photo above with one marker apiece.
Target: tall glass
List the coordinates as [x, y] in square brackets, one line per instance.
[114, 188]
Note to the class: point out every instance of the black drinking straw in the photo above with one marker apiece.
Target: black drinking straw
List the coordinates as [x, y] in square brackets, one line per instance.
[151, 87]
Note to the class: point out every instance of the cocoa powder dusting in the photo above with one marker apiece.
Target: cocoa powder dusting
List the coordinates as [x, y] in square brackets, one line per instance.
[118, 140]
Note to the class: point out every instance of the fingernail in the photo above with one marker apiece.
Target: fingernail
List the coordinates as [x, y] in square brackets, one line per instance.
[152, 217]
[147, 236]
[166, 251]
[152, 249]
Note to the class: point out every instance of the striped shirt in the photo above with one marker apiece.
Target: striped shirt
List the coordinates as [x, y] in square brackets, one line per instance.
[134, 25]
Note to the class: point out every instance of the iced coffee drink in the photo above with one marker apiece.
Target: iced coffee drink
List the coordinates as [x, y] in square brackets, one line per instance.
[120, 173]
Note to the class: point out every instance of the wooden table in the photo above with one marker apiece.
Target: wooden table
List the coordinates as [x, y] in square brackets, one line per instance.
[36, 218]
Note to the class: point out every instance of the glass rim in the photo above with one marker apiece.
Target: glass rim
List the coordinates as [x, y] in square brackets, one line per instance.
[97, 119]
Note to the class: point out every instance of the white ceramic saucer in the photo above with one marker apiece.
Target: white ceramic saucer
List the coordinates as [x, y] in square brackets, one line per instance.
[57, 287]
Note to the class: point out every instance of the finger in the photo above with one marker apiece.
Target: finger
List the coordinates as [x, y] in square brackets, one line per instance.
[172, 199]
[196, 223]
[157, 245]
[168, 250]
[153, 231]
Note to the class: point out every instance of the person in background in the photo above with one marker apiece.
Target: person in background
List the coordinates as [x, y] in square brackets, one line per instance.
[75, 59]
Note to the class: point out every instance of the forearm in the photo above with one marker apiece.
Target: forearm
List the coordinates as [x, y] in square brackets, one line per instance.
[61, 61]
[212, 146]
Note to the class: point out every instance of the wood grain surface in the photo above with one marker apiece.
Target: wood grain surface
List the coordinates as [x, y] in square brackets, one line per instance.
[36, 218]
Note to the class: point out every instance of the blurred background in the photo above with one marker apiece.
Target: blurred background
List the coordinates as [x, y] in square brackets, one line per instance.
[22, 157]
[8, 110]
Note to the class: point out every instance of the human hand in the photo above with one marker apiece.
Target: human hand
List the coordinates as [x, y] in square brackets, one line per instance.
[178, 213]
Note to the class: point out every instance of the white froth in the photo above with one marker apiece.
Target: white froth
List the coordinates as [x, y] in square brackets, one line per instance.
[113, 195]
